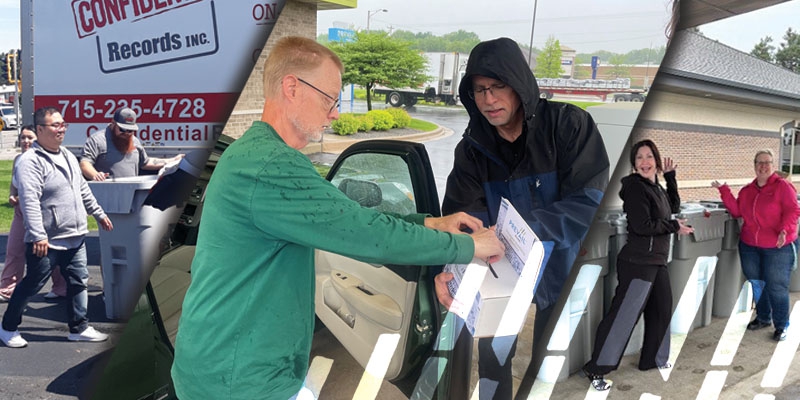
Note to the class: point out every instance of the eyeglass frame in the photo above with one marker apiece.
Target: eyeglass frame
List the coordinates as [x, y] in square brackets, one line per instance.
[57, 125]
[335, 99]
[491, 88]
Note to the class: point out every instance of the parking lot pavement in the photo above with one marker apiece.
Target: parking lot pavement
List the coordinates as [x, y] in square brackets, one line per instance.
[51, 367]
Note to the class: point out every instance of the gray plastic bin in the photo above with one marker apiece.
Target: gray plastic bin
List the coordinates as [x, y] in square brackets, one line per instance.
[728, 278]
[129, 252]
[688, 251]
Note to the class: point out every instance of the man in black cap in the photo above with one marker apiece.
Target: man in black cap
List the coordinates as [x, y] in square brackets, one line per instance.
[126, 155]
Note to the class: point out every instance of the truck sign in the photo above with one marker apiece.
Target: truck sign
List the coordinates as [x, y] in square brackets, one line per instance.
[176, 63]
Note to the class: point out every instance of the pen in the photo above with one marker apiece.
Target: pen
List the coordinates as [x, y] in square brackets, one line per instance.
[492, 269]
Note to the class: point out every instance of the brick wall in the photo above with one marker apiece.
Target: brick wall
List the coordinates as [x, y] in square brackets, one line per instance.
[296, 19]
[703, 157]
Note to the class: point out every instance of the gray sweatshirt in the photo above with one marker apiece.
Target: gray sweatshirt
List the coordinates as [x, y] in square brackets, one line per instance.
[54, 200]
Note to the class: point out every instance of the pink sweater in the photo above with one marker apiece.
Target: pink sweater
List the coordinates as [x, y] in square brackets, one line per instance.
[766, 211]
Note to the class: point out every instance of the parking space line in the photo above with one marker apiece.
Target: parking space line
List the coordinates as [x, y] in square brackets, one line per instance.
[712, 385]
[686, 310]
[734, 331]
[378, 363]
[317, 374]
[784, 353]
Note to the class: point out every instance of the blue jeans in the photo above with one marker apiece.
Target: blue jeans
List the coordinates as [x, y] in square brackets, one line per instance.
[768, 271]
[73, 267]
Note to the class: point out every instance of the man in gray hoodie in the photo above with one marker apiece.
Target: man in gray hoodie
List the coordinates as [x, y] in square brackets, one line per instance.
[54, 199]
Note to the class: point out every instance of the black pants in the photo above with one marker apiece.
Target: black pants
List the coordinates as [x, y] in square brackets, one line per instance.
[494, 360]
[642, 288]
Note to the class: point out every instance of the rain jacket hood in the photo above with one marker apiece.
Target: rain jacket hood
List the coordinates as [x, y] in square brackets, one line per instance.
[559, 179]
[499, 59]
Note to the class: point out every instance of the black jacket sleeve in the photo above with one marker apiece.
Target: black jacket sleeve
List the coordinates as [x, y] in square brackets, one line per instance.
[641, 215]
[672, 192]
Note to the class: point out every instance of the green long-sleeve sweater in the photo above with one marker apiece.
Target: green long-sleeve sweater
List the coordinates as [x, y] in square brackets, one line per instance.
[248, 316]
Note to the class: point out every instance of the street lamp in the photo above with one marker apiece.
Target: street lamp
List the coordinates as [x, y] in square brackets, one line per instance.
[533, 25]
[370, 13]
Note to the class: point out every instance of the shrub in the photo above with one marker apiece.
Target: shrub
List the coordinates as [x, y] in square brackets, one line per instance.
[366, 123]
[382, 119]
[347, 124]
[401, 117]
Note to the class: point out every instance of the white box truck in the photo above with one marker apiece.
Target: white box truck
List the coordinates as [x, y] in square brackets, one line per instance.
[445, 71]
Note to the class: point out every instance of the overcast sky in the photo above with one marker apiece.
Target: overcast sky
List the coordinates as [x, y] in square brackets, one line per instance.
[585, 25]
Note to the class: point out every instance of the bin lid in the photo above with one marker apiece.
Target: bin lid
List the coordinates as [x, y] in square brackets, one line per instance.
[116, 196]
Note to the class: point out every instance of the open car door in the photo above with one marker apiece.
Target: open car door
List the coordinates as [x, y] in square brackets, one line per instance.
[357, 301]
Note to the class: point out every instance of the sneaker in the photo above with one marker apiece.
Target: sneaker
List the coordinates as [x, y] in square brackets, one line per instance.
[666, 365]
[756, 324]
[779, 335]
[597, 381]
[12, 339]
[88, 335]
[52, 295]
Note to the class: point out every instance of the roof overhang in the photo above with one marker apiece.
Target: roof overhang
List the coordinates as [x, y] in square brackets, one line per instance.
[323, 5]
[700, 12]
[688, 84]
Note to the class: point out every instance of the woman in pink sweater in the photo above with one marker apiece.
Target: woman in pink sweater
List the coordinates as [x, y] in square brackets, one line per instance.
[769, 208]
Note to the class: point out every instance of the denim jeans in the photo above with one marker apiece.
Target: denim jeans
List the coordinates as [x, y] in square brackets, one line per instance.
[73, 267]
[768, 271]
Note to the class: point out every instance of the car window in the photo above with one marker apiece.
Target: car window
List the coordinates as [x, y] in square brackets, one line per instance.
[378, 181]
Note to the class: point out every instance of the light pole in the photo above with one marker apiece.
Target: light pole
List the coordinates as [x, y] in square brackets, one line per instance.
[533, 25]
[370, 13]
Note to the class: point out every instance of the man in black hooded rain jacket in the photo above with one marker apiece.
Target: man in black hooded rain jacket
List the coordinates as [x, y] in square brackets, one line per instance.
[547, 158]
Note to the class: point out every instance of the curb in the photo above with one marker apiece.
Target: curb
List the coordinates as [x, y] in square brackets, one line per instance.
[335, 144]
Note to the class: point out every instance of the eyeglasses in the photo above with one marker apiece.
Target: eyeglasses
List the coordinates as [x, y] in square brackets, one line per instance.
[762, 162]
[57, 125]
[335, 100]
[496, 89]
[123, 130]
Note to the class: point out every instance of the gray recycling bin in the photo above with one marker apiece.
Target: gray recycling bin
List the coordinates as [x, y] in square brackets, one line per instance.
[619, 238]
[129, 252]
[697, 251]
[728, 278]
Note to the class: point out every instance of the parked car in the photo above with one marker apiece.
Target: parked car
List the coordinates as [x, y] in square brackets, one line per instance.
[8, 116]
[356, 301]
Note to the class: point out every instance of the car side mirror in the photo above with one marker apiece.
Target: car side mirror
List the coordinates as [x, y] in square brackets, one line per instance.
[367, 194]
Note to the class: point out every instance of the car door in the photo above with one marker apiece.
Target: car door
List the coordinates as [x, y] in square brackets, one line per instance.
[358, 302]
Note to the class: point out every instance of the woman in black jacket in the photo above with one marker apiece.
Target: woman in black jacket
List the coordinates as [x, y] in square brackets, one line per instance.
[641, 268]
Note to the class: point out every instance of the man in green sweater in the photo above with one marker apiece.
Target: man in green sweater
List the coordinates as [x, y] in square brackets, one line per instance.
[248, 316]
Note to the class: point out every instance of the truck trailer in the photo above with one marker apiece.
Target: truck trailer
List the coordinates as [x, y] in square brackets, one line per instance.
[445, 71]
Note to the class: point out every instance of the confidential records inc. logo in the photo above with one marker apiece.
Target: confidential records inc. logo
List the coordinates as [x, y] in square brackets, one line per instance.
[138, 33]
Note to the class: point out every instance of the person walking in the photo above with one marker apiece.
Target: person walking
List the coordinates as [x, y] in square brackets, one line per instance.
[14, 268]
[55, 200]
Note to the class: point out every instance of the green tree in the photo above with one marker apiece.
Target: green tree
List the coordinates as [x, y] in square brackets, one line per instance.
[619, 69]
[788, 55]
[376, 58]
[764, 49]
[548, 62]
[460, 41]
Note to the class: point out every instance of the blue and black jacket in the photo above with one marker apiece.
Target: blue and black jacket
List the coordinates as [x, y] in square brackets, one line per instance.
[559, 182]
